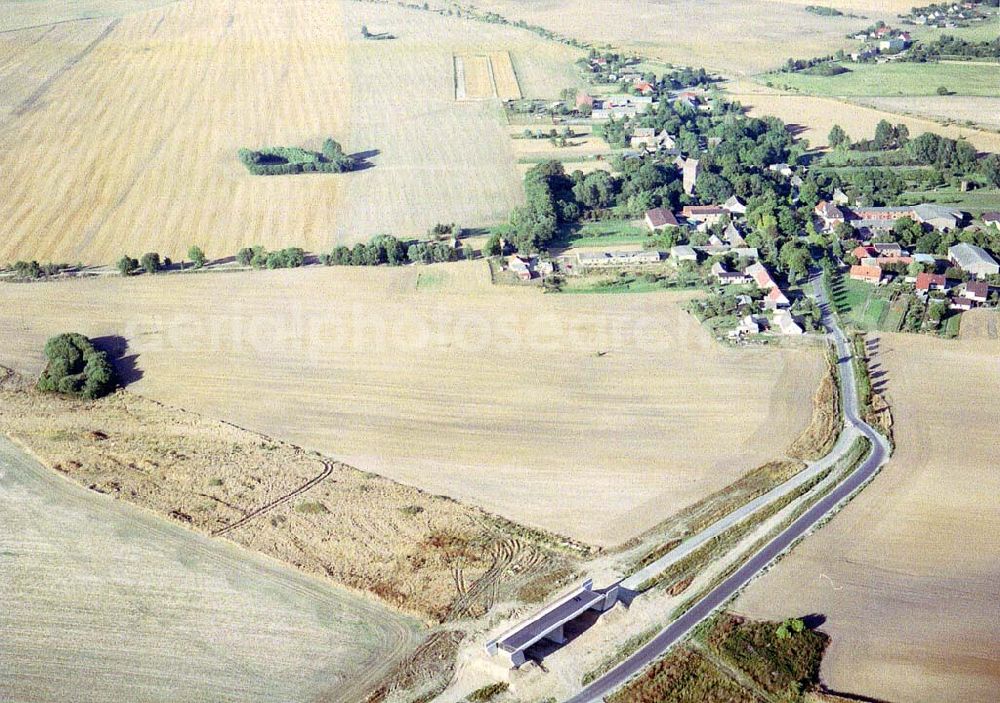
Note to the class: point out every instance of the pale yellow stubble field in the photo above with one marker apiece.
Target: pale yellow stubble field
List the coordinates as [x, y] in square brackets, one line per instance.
[817, 115]
[591, 416]
[726, 35]
[907, 575]
[131, 147]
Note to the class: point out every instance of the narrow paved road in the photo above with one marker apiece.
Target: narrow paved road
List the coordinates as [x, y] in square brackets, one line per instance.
[719, 595]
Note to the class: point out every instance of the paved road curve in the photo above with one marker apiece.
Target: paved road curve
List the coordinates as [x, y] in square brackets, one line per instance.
[719, 595]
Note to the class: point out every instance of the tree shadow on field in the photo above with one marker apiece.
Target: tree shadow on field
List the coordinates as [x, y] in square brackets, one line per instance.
[362, 159]
[125, 365]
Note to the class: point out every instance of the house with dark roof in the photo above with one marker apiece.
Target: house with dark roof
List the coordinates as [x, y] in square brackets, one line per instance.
[660, 218]
[977, 291]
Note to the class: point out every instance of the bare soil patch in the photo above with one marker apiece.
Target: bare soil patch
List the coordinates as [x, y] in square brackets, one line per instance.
[527, 405]
[907, 574]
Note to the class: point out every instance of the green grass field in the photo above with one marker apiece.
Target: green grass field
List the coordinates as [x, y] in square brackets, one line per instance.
[894, 79]
[973, 201]
[980, 31]
[604, 234]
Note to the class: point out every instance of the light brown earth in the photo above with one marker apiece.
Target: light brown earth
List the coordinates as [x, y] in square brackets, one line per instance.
[105, 602]
[424, 554]
[812, 117]
[129, 145]
[732, 36]
[908, 575]
[528, 405]
[982, 111]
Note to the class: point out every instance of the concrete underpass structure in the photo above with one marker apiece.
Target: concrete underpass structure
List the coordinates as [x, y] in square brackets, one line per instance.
[549, 622]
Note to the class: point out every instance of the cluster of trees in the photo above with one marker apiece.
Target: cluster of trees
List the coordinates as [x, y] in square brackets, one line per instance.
[824, 10]
[149, 262]
[34, 270]
[947, 46]
[892, 146]
[76, 367]
[385, 249]
[259, 258]
[285, 160]
[550, 202]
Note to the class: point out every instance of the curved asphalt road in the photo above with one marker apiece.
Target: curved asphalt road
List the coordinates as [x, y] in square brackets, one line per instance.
[719, 595]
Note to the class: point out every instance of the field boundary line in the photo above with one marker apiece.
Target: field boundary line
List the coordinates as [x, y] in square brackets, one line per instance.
[268, 507]
[493, 76]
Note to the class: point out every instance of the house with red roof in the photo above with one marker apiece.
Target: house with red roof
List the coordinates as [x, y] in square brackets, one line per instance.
[927, 282]
[867, 274]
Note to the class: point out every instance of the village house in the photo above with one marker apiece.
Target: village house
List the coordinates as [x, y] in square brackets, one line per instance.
[977, 291]
[709, 214]
[867, 274]
[868, 219]
[786, 323]
[783, 169]
[830, 214]
[643, 87]
[727, 277]
[749, 325]
[840, 197]
[733, 236]
[683, 252]
[991, 219]
[647, 138]
[660, 218]
[927, 282]
[973, 259]
[523, 267]
[735, 206]
[963, 304]
[775, 298]
[616, 259]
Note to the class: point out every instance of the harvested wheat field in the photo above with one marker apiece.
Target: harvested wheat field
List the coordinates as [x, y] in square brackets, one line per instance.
[130, 144]
[524, 404]
[813, 117]
[106, 602]
[420, 553]
[908, 575]
[715, 34]
[980, 111]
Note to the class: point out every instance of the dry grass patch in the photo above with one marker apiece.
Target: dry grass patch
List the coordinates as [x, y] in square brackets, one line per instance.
[420, 553]
[822, 432]
[99, 591]
[525, 404]
[906, 571]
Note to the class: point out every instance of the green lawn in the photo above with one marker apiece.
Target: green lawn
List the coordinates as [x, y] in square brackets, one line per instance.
[893, 79]
[974, 201]
[861, 304]
[603, 234]
[976, 31]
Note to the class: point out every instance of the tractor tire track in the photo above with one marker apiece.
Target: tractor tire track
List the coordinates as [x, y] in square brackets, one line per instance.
[266, 508]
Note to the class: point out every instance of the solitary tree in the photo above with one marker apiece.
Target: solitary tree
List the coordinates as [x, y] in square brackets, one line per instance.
[838, 137]
[127, 265]
[150, 262]
[197, 256]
